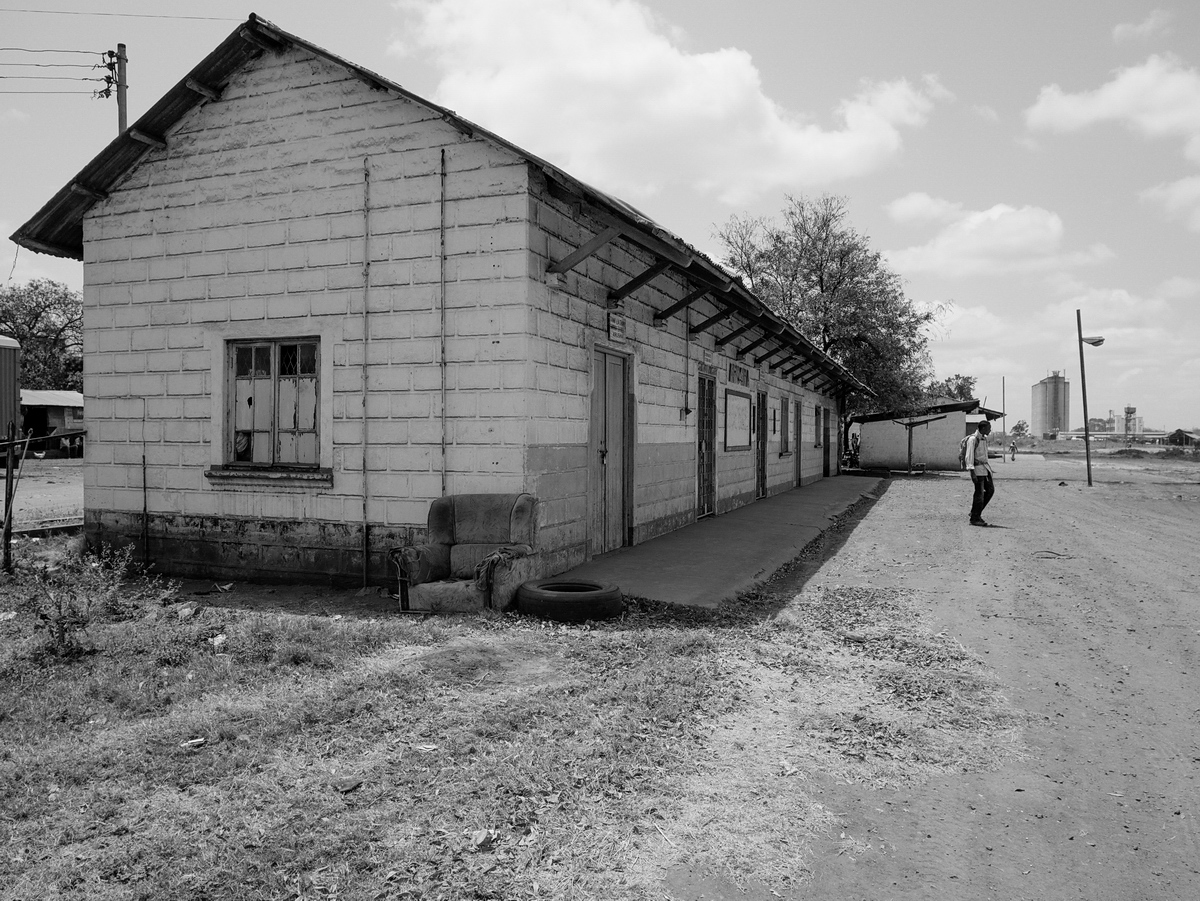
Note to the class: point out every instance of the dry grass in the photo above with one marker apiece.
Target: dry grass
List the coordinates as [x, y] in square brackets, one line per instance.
[226, 754]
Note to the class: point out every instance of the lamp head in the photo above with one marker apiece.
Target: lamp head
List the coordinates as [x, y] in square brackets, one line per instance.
[1095, 342]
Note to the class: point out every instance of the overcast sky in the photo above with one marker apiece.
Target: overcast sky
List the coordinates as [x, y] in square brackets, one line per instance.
[1019, 160]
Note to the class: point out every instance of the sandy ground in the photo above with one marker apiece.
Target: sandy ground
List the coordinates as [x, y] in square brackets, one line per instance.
[1084, 601]
[48, 491]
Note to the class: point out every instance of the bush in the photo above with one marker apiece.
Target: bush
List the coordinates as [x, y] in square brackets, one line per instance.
[66, 595]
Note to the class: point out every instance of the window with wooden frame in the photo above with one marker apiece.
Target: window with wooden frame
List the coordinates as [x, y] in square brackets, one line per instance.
[275, 393]
[785, 438]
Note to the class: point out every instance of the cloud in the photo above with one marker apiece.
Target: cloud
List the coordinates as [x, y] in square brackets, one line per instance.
[604, 89]
[1158, 22]
[985, 112]
[1159, 99]
[1180, 199]
[920, 207]
[1179, 288]
[997, 240]
[14, 115]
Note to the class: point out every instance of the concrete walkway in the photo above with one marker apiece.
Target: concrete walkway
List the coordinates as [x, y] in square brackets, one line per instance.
[719, 557]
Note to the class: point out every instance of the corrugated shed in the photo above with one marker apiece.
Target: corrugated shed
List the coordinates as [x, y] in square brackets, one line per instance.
[10, 378]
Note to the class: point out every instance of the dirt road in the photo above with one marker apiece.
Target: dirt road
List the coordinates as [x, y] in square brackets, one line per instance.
[1084, 601]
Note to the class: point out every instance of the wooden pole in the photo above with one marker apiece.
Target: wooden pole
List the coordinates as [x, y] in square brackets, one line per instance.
[9, 459]
[122, 109]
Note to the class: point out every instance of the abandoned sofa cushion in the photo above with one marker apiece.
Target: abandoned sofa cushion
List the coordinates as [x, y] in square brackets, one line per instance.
[492, 518]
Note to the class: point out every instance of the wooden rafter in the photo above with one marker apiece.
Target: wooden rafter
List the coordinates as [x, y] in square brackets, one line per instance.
[636, 282]
[84, 191]
[758, 361]
[144, 138]
[753, 344]
[573, 259]
[203, 90]
[674, 308]
[261, 39]
[708, 323]
[737, 333]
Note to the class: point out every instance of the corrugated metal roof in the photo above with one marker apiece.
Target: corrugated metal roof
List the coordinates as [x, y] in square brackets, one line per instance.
[35, 398]
[57, 228]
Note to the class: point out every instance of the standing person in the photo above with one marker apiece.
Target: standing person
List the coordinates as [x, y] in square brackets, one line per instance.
[1013, 447]
[981, 471]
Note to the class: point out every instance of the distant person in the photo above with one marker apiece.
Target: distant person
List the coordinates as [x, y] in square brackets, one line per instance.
[981, 471]
[1013, 447]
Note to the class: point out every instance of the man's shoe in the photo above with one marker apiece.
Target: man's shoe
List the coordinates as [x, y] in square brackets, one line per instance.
[978, 522]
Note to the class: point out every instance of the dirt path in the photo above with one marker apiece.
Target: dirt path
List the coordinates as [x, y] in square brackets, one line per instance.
[1084, 602]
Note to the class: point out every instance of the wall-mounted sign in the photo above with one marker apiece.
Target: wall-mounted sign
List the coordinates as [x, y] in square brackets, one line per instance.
[616, 325]
[707, 370]
[737, 420]
[738, 375]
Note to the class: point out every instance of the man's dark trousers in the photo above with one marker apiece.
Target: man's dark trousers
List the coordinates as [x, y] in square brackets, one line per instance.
[984, 489]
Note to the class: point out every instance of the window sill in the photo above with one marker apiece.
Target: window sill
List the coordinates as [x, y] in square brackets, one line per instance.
[312, 478]
[783, 454]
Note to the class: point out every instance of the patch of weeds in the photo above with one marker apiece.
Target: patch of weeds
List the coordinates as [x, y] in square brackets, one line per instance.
[67, 595]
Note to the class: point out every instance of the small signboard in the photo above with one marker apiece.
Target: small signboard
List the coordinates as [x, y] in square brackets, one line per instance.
[737, 420]
[616, 326]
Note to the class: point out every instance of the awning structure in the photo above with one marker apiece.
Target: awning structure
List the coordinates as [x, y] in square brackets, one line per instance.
[902, 417]
[737, 314]
[31, 397]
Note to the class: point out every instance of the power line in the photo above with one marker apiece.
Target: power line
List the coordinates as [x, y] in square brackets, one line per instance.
[51, 50]
[67, 12]
[91, 93]
[54, 65]
[47, 78]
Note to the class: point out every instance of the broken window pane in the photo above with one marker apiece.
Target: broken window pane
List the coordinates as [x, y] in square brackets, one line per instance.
[242, 444]
[273, 404]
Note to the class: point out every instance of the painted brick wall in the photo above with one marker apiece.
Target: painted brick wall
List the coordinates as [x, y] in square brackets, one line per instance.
[251, 225]
[569, 320]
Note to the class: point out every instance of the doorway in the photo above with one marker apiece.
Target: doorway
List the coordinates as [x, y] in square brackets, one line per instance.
[826, 466]
[760, 451]
[799, 442]
[706, 445]
[609, 453]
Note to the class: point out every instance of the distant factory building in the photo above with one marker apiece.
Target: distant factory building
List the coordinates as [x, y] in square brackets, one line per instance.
[1051, 405]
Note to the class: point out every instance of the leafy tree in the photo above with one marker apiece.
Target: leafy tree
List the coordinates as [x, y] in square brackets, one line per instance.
[956, 387]
[46, 317]
[1020, 430]
[814, 270]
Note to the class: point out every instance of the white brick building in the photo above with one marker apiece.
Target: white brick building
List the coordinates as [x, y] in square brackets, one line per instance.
[315, 302]
[931, 435]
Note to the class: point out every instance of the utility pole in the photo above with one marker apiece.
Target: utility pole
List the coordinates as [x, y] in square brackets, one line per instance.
[122, 115]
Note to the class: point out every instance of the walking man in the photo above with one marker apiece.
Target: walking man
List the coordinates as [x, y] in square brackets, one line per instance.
[981, 471]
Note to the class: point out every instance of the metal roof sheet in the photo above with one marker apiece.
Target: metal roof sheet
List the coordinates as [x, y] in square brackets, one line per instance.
[36, 398]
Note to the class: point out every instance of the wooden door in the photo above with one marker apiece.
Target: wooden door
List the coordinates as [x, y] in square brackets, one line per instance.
[826, 467]
[760, 452]
[706, 445]
[608, 447]
[799, 442]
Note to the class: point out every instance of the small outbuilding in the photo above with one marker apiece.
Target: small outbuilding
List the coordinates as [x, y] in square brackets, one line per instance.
[317, 302]
[1182, 438]
[926, 438]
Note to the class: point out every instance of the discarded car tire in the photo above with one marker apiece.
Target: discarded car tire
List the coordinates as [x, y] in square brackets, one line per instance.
[569, 600]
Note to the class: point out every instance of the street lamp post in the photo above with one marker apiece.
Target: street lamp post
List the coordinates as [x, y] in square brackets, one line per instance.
[1087, 434]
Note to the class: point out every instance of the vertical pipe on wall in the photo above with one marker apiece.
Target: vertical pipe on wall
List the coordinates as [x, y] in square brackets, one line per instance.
[442, 304]
[366, 327]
